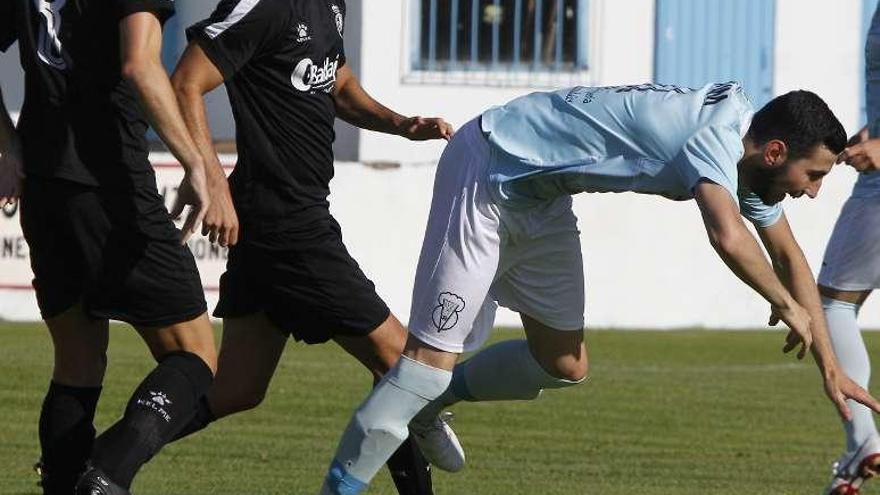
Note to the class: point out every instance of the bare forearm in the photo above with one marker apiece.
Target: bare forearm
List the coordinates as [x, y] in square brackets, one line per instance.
[8, 137]
[744, 257]
[192, 107]
[798, 278]
[359, 109]
[158, 101]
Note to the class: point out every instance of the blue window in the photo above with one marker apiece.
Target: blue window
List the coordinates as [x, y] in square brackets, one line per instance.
[702, 41]
[499, 35]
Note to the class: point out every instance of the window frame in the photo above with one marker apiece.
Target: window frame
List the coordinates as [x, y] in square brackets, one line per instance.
[502, 75]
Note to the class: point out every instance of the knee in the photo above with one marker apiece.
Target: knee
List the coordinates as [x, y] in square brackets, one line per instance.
[80, 369]
[249, 401]
[379, 429]
[571, 368]
[225, 401]
[567, 367]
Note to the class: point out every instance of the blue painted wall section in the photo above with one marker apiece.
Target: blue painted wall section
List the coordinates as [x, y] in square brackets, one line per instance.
[701, 41]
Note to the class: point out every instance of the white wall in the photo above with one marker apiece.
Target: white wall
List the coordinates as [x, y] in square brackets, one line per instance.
[818, 48]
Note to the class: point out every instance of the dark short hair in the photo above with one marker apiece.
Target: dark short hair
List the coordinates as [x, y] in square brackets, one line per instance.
[801, 120]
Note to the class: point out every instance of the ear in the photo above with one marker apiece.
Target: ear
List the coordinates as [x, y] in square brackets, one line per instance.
[775, 153]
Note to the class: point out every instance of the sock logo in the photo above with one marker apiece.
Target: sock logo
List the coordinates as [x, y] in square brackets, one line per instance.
[160, 398]
[157, 402]
[445, 314]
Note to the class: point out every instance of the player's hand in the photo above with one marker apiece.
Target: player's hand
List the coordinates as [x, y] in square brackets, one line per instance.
[863, 156]
[221, 221]
[798, 320]
[840, 387]
[424, 128]
[859, 137]
[11, 174]
[193, 191]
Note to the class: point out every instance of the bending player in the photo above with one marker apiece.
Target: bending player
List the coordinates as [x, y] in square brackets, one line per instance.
[289, 273]
[501, 231]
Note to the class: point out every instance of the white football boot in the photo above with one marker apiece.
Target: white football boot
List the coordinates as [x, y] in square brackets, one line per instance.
[854, 468]
[438, 442]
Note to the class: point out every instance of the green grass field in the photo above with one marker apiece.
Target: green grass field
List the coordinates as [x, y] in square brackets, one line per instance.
[689, 412]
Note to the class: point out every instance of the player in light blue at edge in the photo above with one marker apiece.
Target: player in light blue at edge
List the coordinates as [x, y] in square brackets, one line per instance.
[850, 272]
[501, 231]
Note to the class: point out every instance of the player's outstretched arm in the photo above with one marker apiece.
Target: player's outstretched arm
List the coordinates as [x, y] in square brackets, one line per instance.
[193, 78]
[740, 251]
[11, 167]
[359, 109]
[141, 49]
[792, 268]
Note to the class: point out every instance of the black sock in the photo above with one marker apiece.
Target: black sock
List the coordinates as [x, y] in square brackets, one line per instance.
[199, 422]
[410, 471]
[161, 406]
[66, 435]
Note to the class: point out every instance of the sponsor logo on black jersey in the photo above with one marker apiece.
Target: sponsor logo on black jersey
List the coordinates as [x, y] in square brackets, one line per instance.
[307, 76]
[445, 314]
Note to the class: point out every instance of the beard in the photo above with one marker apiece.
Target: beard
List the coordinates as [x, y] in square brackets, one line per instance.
[763, 182]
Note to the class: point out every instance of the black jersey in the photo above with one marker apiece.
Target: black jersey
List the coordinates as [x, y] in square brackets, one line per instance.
[80, 120]
[279, 59]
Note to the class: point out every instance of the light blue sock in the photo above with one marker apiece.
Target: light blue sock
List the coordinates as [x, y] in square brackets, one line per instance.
[379, 425]
[846, 338]
[503, 371]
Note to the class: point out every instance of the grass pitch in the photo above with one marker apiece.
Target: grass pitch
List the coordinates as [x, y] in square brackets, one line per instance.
[685, 412]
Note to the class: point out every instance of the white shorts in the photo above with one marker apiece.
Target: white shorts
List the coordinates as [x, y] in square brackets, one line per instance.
[852, 258]
[477, 255]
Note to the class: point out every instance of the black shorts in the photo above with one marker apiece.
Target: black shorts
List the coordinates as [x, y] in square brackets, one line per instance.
[306, 283]
[116, 251]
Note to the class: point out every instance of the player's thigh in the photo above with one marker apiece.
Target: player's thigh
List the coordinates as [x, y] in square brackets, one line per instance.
[195, 336]
[379, 350]
[65, 227]
[80, 345]
[852, 257]
[249, 353]
[542, 269]
[561, 353]
[460, 252]
[849, 296]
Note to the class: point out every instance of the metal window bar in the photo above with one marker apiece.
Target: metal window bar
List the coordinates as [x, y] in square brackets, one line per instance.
[432, 36]
[536, 47]
[582, 32]
[496, 32]
[560, 25]
[453, 34]
[517, 32]
[475, 31]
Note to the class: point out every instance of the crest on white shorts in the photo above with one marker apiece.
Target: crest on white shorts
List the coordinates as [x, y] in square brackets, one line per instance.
[445, 314]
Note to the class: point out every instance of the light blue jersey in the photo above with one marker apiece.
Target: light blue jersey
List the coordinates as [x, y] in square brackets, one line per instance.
[649, 139]
[868, 183]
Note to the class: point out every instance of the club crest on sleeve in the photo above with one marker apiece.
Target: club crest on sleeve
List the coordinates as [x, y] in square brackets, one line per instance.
[445, 314]
[337, 16]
